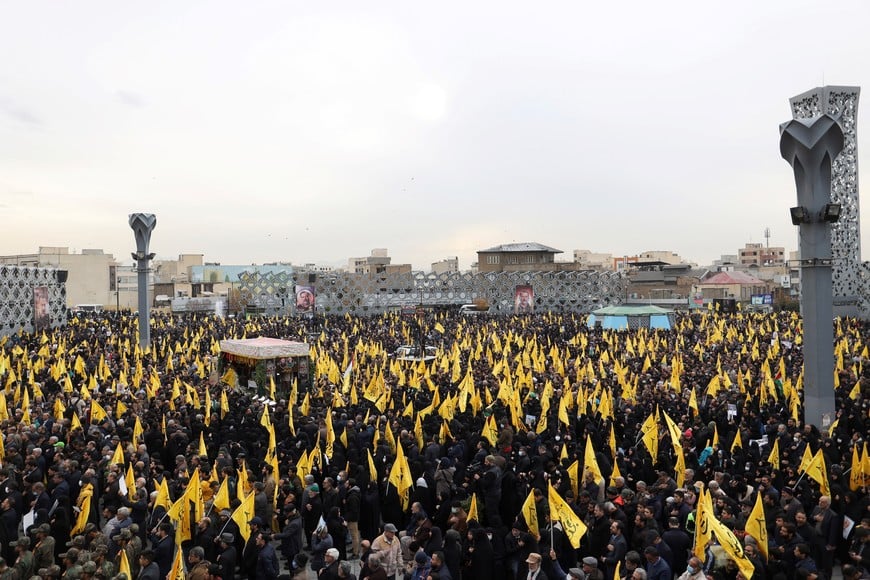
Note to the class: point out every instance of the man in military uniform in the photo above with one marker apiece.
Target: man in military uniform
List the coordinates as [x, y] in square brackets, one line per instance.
[24, 557]
[136, 542]
[104, 565]
[52, 571]
[7, 573]
[94, 537]
[72, 569]
[89, 570]
[123, 542]
[77, 543]
[43, 553]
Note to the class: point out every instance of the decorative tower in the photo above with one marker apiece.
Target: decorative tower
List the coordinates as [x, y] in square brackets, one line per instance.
[143, 224]
[810, 145]
[849, 285]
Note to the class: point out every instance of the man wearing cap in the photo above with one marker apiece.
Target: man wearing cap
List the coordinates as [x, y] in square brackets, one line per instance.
[125, 543]
[70, 560]
[589, 565]
[89, 570]
[7, 573]
[389, 549]
[227, 558]
[43, 553]
[267, 560]
[250, 551]
[534, 564]
[24, 557]
[312, 509]
[105, 566]
[559, 573]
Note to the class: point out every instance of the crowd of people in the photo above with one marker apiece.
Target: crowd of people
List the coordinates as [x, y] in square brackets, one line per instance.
[504, 416]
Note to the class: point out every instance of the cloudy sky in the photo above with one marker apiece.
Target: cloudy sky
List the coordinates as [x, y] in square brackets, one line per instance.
[315, 131]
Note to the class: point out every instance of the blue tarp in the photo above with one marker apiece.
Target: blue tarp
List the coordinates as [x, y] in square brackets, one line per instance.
[660, 321]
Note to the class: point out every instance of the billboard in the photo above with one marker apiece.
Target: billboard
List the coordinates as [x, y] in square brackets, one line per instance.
[41, 316]
[524, 300]
[762, 299]
[305, 298]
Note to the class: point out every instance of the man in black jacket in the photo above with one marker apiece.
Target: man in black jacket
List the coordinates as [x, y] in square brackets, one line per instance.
[163, 548]
[227, 557]
[351, 509]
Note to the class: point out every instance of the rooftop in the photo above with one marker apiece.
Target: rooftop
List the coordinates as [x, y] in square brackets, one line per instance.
[522, 247]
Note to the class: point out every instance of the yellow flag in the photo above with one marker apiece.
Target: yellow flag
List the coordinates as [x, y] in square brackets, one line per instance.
[373, 472]
[82, 519]
[400, 476]
[137, 431]
[124, 564]
[222, 497]
[163, 495]
[574, 474]
[693, 402]
[243, 515]
[731, 545]
[118, 457]
[756, 526]
[650, 437]
[590, 463]
[571, 523]
[130, 477]
[472, 509]
[737, 442]
[806, 459]
[817, 471]
[773, 458]
[856, 473]
[613, 475]
[225, 404]
[97, 412]
[203, 451]
[530, 514]
[703, 532]
[178, 570]
[490, 430]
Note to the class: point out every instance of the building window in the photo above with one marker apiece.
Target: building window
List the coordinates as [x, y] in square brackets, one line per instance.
[492, 259]
[511, 260]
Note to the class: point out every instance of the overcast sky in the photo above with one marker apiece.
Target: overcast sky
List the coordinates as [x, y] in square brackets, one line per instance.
[316, 131]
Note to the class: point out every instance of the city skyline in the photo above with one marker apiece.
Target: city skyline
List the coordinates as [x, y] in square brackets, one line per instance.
[309, 133]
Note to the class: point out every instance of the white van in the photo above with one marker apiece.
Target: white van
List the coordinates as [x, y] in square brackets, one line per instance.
[88, 308]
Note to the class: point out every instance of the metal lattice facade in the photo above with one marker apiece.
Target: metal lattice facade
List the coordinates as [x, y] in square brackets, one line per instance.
[851, 278]
[341, 293]
[16, 297]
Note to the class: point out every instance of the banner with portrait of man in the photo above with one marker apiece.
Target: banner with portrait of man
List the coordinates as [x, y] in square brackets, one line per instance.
[305, 298]
[41, 313]
[524, 300]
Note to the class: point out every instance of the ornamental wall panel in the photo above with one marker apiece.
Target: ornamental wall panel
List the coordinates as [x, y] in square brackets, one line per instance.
[341, 293]
[16, 297]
